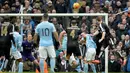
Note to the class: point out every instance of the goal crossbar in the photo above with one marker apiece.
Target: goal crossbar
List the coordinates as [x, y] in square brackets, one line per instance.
[58, 14]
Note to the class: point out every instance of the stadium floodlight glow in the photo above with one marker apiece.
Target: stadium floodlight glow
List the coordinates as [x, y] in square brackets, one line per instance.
[68, 14]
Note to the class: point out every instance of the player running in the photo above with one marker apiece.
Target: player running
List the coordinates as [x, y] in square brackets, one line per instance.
[45, 30]
[15, 50]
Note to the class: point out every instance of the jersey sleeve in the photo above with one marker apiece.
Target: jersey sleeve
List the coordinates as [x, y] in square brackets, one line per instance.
[53, 28]
[20, 41]
[12, 38]
[102, 27]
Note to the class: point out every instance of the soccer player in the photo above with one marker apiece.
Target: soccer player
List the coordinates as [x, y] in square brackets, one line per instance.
[103, 35]
[91, 52]
[63, 41]
[45, 30]
[28, 47]
[5, 42]
[15, 50]
[72, 42]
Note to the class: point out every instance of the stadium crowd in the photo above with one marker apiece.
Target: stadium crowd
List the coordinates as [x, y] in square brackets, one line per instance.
[119, 24]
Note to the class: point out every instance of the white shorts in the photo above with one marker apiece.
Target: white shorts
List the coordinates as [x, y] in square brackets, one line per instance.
[16, 55]
[45, 51]
[90, 54]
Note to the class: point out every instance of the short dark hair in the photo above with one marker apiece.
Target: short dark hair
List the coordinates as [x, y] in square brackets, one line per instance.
[16, 28]
[45, 15]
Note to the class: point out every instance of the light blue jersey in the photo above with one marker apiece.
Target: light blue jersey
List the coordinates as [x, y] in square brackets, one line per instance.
[64, 42]
[45, 30]
[89, 42]
[18, 41]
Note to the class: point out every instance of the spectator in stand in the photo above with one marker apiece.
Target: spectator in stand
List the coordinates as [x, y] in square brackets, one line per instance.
[27, 26]
[48, 7]
[121, 30]
[17, 6]
[127, 44]
[60, 6]
[13, 9]
[126, 25]
[115, 39]
[96, 6]
[83, 7]
[57, 26]
[113, 65]
[27, 6]
[17, 22]
[6, 7]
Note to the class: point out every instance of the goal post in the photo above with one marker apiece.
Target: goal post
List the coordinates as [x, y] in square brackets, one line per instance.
[66, 15]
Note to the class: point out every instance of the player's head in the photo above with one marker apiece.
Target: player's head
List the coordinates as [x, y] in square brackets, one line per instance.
[16, 28]
[73, 22]
[45, 17]
[29, 37]
[99, 19]
[83, 34]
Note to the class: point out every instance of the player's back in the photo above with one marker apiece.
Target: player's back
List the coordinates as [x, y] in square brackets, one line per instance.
[45, 30]
[18, 41]
[89, 42]
[72, 35]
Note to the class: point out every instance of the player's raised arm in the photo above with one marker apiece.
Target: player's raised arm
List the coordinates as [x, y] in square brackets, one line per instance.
[61, 35]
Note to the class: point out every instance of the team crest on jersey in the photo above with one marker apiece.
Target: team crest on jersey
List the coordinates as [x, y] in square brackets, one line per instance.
[72, 34]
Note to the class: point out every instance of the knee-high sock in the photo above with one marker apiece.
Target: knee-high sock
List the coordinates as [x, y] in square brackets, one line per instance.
[81, 63]
[86, 68]
[13, 66]
[41, 65]
[93, 68]
[6, 62]
[20, 69]
[52, 64]
[2, 61]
